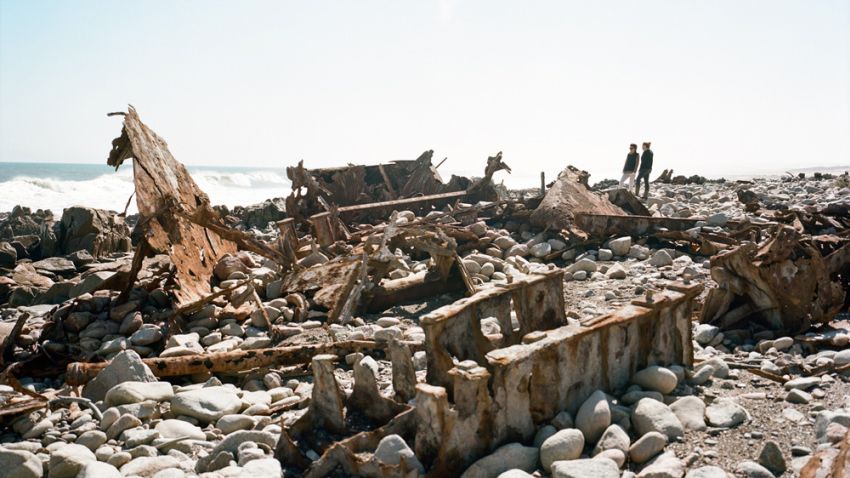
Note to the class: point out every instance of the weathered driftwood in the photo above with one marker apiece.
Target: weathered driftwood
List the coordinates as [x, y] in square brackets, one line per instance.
[79, 373]
[783, 285]
[568, 196]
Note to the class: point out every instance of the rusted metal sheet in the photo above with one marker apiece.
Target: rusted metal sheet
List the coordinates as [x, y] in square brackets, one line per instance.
[163, 185]
[519, 387]
[330, 284]
[568, 196]
[331, 411]
[175, 214]
[624, 198]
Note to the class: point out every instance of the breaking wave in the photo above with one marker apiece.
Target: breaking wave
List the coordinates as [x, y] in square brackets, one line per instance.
[111, 190]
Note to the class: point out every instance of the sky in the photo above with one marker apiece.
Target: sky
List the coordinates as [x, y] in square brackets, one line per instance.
[719, 87]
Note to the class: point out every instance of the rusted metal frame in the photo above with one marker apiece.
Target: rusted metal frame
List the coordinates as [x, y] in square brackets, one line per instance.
[142, 250]
[79, 373]
[455, 329]
[529, 384]
[243, 240]
[606, 224]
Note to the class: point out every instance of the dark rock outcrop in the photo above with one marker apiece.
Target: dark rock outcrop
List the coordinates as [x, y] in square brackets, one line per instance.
[94, 230]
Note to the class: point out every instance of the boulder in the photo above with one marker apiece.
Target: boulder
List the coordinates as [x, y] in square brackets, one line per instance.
[725, 414]
[707, 472]
[614, 438]
[20, 463]
[206, 404]
[260, 215]
[96, 469]
[771, 458]
[691, 412]
[653, 416]
[660, 379]
[173, 428]
[564, 445]
[664, 466]
[8, 255]
[97, 231]
[593, 416]
[135, 392]
[67, 461]
[620, 246]
[647, 446]
[127, 366]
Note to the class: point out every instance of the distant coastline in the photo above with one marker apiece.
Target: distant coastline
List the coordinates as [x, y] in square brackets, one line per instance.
[56, 186]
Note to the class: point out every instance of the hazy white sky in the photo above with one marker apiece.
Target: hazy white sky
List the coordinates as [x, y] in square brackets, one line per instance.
[719, 87]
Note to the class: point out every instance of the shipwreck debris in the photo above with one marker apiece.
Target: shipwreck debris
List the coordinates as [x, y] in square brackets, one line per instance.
[783, 284]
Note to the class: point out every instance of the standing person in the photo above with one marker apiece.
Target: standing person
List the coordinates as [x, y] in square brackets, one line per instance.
[645, 169]
[630, 167]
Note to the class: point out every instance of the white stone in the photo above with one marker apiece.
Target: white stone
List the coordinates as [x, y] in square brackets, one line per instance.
[653, 416]
[67, 461]
[96, 469]
[206, 404]
[392, 450]
[586, 468]
[647, 446]
[620, 246]
[566, 444]
[513, 456]
[661, 258]
[725, 413]
[614, 438]
[135, 392]
[173, 428]
[691, 412]
[20, 463]
[593, 416]
[660, 379]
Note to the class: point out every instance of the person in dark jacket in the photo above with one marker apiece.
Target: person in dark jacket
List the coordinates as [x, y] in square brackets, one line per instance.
[630, 167]
[645, 169]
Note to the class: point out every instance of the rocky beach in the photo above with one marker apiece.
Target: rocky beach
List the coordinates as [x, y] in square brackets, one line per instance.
[316, 335]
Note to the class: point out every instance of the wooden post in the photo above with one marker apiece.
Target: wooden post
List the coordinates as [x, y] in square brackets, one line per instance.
[542, 183]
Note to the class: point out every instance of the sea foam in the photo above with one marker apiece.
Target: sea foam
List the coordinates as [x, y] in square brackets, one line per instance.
[111, 190]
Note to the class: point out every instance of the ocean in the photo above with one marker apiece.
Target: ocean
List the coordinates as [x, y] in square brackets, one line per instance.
[56, 186]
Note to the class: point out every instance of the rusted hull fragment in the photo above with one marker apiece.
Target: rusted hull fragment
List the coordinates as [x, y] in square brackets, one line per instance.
[455, 330]
[521, 386]
[783, 285]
